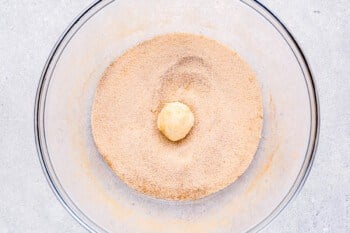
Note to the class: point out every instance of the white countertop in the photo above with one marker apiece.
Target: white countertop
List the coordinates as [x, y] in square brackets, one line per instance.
[28, 31]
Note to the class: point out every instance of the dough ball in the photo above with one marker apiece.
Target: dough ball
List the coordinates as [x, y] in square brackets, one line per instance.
[175, 121]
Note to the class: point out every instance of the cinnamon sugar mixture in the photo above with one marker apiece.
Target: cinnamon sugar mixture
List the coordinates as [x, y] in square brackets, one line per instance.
[213, 81]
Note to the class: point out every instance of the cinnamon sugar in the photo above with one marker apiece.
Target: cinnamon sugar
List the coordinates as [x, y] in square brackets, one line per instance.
[220, 89]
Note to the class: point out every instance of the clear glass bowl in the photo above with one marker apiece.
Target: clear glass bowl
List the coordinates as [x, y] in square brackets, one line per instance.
[81, 179]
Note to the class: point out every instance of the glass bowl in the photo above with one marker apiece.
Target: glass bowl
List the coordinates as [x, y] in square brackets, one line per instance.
[97, 198]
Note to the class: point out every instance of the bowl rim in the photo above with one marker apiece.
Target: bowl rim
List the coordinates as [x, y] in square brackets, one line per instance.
[78, 22]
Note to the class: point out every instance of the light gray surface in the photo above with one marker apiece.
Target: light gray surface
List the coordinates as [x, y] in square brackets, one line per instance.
[28, 31]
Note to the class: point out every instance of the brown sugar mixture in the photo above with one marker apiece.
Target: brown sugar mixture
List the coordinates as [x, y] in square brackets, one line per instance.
[178, 116]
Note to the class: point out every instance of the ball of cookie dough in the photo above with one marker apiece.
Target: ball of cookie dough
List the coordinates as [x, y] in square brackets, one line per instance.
[175, 121]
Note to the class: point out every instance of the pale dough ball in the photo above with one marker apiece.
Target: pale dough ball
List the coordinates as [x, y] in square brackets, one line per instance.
[175, 120]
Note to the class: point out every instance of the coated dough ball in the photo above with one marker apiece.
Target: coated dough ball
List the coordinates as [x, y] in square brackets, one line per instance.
[175, 121]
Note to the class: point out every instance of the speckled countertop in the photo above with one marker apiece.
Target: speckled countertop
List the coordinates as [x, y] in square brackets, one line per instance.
[28, 31]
